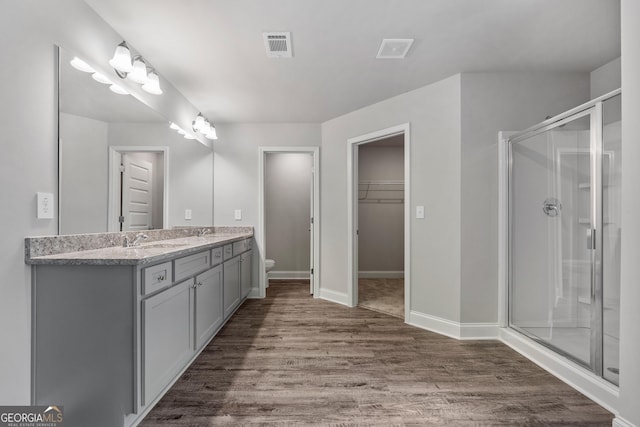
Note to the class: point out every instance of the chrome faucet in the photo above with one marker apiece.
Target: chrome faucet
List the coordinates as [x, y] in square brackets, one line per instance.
[203, 231]
[136, 240]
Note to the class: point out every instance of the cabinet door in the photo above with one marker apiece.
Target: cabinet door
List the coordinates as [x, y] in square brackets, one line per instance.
[245, 273]
[209, 309]
[231, 285]
[167, 337]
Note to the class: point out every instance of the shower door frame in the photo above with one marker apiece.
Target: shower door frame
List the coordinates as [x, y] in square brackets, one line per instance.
[594, 110]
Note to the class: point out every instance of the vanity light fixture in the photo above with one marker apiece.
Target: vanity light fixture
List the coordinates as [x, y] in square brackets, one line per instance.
[153, 84]
[186, 135]
[100, 78]
[80, 65]
[121, 60]
[135, 69]
[202, 125]
[212, 133]
[118, 89]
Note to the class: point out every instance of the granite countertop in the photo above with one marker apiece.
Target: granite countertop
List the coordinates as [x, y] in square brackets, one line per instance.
[146, 252]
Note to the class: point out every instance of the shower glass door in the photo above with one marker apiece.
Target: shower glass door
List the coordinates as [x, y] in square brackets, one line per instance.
[554, 215]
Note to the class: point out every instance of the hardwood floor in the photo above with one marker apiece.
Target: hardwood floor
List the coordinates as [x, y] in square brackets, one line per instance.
[290, 359]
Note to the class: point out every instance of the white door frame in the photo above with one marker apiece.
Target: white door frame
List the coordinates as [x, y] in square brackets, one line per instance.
[260, 232]
[352, 209]
[115, 151]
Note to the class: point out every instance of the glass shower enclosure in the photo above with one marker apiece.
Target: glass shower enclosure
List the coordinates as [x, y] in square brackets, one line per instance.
[564, 234]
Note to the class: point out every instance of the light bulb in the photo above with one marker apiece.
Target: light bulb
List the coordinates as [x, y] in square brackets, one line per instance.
[79, 64]
[174, 126]
[181, 132]
[139, 73]
[199, 123]
[121, 60]
[100, 78]
[153, 84]
[117, 89]
[212, 133]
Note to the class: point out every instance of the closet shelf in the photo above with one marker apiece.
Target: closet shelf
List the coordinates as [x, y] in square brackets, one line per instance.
[381, 191]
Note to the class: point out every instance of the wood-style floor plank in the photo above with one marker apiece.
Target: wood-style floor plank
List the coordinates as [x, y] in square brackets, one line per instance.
[290, 359]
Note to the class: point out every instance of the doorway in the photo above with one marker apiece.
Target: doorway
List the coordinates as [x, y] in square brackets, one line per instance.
[379, 196]
[289, 209]
[138, 184]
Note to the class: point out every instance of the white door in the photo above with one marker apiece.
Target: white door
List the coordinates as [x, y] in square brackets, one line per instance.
[136, 194]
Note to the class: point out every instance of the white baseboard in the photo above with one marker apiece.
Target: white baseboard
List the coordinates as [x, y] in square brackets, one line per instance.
[434, 324]
[621, 422]
[449, 328]
[381, 274]
[479, 331]
[334, 296]
[282, 274]
[596, 389]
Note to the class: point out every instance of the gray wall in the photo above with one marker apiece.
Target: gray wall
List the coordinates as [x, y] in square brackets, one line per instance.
[381, 225]
[606, 78]
[29, 162]
[236, 162]
[287, 206]
[630, 269]
[493, 102]
[434, 114]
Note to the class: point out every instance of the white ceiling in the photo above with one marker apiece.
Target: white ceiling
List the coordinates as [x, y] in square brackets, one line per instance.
[213, 52]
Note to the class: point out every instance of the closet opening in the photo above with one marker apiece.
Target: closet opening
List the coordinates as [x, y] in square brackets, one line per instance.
[379, 221]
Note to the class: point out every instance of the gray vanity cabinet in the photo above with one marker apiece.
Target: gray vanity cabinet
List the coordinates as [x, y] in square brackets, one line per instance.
[112, 338]
[167, 337]
[209, 310]
[245, 273]
[231, 285]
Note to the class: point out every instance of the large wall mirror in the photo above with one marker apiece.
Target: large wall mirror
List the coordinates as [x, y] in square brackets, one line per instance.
[121, 166]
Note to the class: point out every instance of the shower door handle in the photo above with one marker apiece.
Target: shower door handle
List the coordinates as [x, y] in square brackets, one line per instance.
[591, 239]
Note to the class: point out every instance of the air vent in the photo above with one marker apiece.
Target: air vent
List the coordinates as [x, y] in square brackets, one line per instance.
[278, 45]
[394, 48]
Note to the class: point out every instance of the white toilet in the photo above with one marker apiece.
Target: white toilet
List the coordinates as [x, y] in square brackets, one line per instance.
[268, 265]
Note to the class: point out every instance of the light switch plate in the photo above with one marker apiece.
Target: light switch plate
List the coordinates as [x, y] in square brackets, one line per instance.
[420, 212]
[187, 214]
[237, 214]
[45, 205]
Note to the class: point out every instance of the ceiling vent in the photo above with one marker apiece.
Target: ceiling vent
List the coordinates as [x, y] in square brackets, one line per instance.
[394, 48]
[278, 45]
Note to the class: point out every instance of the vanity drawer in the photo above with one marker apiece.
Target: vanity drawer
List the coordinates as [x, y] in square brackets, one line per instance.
[156, 277]
[216, 256]
[239, 247]
[192, 264]
[228, 252]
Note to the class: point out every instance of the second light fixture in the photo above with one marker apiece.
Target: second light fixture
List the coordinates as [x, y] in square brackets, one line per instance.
[135, 69]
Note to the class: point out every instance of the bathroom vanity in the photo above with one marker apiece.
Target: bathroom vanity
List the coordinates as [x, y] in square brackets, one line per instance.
[114, 327]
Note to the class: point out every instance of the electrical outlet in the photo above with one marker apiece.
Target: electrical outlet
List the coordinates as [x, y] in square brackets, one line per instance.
[237, 214]
[187, 214]
[420, 212]
[45, 205]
